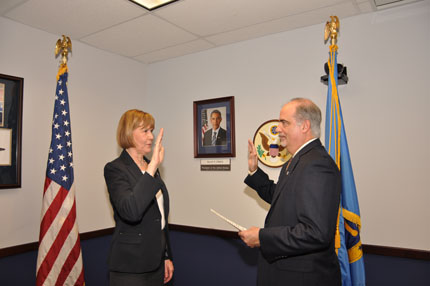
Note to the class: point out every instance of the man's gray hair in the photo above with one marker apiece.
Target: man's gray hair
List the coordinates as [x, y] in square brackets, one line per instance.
[307, 110]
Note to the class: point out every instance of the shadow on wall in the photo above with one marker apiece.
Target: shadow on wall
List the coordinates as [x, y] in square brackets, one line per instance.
[254, 195]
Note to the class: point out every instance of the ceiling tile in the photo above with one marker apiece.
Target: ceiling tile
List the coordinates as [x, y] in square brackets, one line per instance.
[176, 51]
[6, 5]
[313, 17]
[74, 18]
[385, 4]
[208, 17]
[183, 27]
[139, 36]
[366, 7]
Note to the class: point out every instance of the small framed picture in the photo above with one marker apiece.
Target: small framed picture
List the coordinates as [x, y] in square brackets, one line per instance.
[214, 133]
[11, 89]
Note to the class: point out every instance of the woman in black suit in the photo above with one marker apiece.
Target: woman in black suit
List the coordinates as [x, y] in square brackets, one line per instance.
[140, 251]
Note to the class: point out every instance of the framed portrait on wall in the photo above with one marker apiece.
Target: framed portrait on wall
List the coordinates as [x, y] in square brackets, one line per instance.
[214, 133]
[11, 89]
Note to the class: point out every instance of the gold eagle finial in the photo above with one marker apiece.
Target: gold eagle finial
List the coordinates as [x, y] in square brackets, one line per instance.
[331, 30]
[65, 45]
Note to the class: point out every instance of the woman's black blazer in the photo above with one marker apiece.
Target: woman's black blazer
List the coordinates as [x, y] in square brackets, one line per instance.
[136, 243]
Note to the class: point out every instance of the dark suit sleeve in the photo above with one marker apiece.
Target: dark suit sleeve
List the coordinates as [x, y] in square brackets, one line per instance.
[260, 182]
[222, 137]
[130, 199]
[168, 250]
[316, 203]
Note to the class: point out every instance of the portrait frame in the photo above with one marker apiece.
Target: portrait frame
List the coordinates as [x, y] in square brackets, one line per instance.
[202, 110]
[267, 144]
[11, 97]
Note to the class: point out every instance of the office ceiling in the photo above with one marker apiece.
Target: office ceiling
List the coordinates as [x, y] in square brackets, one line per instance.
[183, 27]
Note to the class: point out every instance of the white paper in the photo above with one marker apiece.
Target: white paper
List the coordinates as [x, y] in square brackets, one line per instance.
[239, 227]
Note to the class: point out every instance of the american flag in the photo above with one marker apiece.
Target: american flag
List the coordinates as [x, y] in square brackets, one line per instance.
[59, 260]
[204, 123]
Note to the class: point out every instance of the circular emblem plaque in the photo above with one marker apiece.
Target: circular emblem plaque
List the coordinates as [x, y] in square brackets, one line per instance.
[269, 149]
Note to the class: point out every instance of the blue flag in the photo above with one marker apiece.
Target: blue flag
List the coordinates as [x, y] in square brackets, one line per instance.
[348, 242]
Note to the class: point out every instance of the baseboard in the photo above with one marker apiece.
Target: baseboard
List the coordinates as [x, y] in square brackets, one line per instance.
[367, 248]
[396, 252]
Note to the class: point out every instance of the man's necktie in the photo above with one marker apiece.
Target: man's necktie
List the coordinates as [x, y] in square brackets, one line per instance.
[288, 165]
[214, 138]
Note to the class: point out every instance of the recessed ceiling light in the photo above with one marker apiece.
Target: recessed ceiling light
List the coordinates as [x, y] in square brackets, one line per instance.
[152, 4]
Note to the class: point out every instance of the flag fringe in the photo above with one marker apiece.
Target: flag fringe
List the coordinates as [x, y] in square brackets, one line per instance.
[352, 217]
[63, 69]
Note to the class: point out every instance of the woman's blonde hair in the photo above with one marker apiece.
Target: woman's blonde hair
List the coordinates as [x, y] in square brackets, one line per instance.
[129, 121]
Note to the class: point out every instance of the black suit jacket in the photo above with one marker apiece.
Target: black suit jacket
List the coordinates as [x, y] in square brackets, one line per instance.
[297, 241]
[221, 137]
[136, 242]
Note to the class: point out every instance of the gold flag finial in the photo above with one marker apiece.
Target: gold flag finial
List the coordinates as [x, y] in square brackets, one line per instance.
[331, 30]
[65, 45]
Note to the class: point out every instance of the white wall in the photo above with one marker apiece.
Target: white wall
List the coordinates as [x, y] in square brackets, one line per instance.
[384, 107]
[101, 87]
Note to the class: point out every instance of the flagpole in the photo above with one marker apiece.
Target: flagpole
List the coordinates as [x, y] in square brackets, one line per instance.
[63, 46]
[347, 236]
[59, 259]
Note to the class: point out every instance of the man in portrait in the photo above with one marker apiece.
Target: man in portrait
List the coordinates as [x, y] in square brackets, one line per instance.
[216, 135]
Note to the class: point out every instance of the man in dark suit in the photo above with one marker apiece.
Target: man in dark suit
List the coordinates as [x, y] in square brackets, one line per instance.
[216, 135]
[297, 242]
